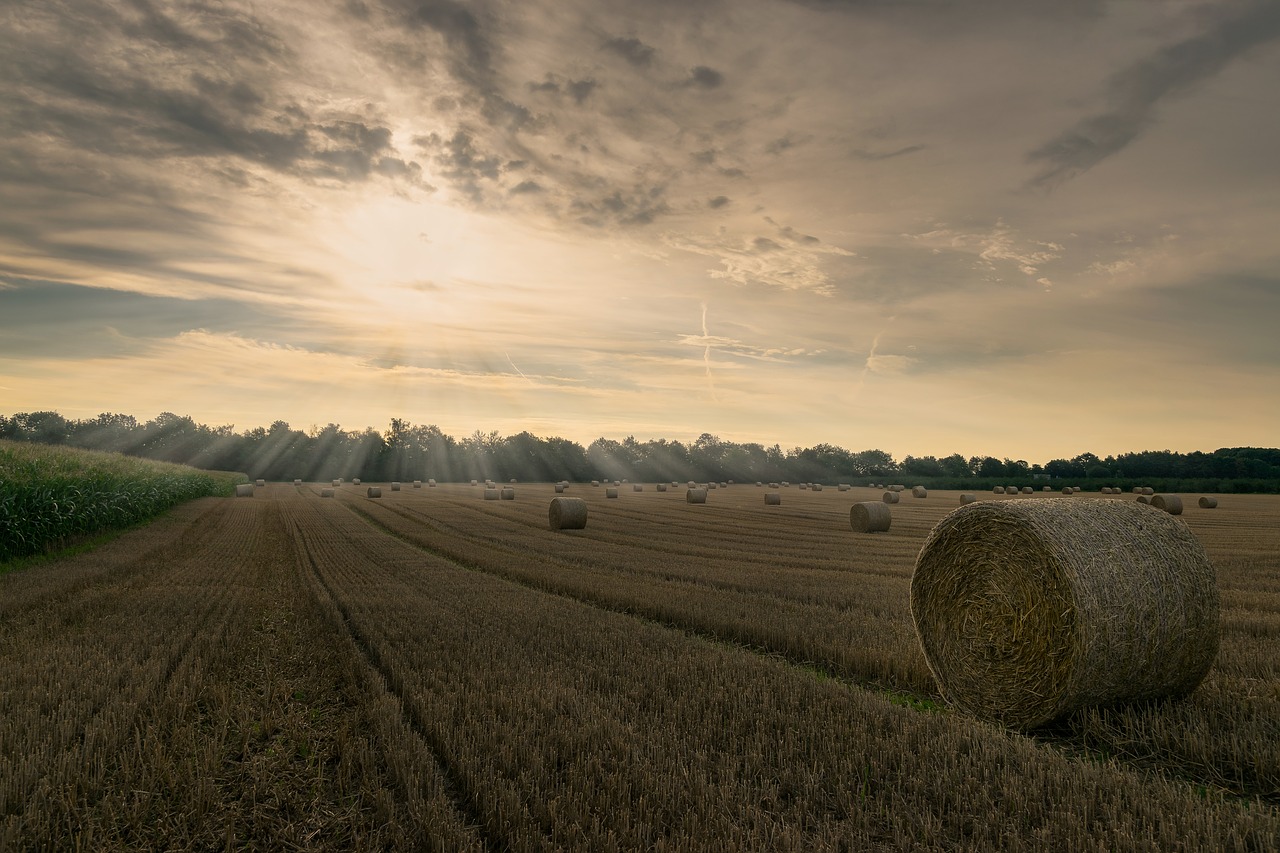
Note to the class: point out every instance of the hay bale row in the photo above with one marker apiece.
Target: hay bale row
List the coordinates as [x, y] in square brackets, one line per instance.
[696, 496]
[870, 516]
[1027, 490]
[567, 514]
[244, 490]
[773, 498]
[1029, 611]
[889, 497]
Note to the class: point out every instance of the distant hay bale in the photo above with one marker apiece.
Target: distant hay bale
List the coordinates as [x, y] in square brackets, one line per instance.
[395, 487]
[559, 488]
[595, 483]
[513, 481]
[1171, 504]
[696, 496]
[662, 487]
[355, 481]
[624, 482]
[636, 487]
[728, 483]
[1137, 490]
[417, 484]
[567, 514]
[1148, 490]
[692, 485]
[759, 483]
[431, 483]
[491, 494]
[617, 482]
[890, 498]
[260, 483]
[896, 487]
[817, 487]
[1027, 490]
[326, 493]
[711, 486]
[473, 482]
[785, 484]
[340, 482]
[507, 494]
[1143, 499]
[610, 492]
[1029, 610]
[842, 487]
[374, 492]
[244, 490]
[1066, 489]
[870, 516]
[804, 486]
[773, 498]
[1107, 490]
[968, 497]
[297, 482]
[774, 486]
[919, 492]
[998, 490]
[337, 483]
[1208, 503]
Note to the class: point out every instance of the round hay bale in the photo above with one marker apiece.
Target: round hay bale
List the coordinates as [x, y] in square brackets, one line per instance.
[896, 487]
[1171, 504]
[1028, 611]
[817, 487]
[595, 483]
[998, 490]
[773, 498]
[919, 492]
[513, 481]
[395, 487]
[355, 481]
[662, 487]
[567, 514]
[804, 486]
[636, 487]
[870, 516]
[1027, 490]
[431, 483]
[1143, 499]
[491, 494]
[297, 481]
[260, 483]
[559, 488]
[696, 496]
[326, 493]
[417, 484]
[244, 490]
[610, 492]
[1148, 491]
[507, 494]
[725, 485]
[968, 497]
[692, 485]
[374, 492]
[625, 482]
[474, 483]
[889, 498]
[1066, 490]
[774, 486]
[759, 484]
[617, 482]
[842, 487]
[1208, 503]
[710, 486]
[337, 483]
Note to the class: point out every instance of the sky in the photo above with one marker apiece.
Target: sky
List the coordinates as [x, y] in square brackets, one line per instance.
[1020, 228]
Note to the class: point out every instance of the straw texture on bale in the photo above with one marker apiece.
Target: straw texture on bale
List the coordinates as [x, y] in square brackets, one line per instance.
[260, 483]
[968, 498]
[507, 494]
[244, 490]
[1171, 504]
[491, 494]
[696, 496]
[773, 498]
[567, 514]
[662, 487]
[374, 492]
[919, 492]
[1029, 611]
[326, 493]
[890, 498]
[998, 490]
[870, 517]
[1208, 503]
[611, 492]
[559, 488]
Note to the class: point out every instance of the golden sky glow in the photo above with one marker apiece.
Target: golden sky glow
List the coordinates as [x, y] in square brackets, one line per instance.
[1019, 229]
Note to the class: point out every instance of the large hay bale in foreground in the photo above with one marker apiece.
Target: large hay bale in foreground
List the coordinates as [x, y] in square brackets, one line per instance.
[244, 490]
[1029, 610]
[567, 514]
[696, 496]
[1208, 503]
[890, 497]
[773, 498]
[1171, 504]
[870, 516]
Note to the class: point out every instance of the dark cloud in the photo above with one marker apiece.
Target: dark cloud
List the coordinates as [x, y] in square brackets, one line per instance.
[580, 89]
[783, 143]
[460, 160]
[764, 244]
[57, 320]
[526, 188]
[1134, 93]
[705, 78]
[718, 202]
[863, 154]
[632, 50]
[639, 207]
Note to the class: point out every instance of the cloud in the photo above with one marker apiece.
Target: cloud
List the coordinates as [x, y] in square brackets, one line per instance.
[717, 202]
[788, 259]
[1134, 93]
[872, 156]
[705, 78]
[634, 51]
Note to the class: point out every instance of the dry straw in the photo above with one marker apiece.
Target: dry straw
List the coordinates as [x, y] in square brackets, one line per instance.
[919, 492]
[567, 514]
[1208, 503]
[374, 492]
[1171, 504]
[326, 493]
[889, 498]
[870, 517]
[611, 492]
[773, 498]
[968, 498]
[696, 496]
[1029, 611]
[508, 494]
[244, 490]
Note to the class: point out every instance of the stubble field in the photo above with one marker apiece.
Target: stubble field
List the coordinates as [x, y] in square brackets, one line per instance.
[429, 670]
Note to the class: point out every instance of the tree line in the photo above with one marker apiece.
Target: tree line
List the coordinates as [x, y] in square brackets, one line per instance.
[406, 451]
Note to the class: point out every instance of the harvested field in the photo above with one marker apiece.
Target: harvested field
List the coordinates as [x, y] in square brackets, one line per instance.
[429, 670]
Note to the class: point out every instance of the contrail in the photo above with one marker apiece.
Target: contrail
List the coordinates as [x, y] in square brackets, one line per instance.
[866, 367]
[518, 370]
[706, 355]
